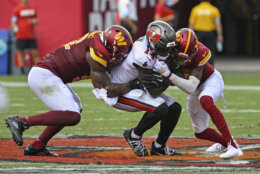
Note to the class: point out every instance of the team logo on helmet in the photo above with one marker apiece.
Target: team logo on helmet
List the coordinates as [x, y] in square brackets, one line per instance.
[120, 39]
[153, 36]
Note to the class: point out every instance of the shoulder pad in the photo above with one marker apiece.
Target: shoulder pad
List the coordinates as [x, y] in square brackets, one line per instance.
[99, 52]
[203, 54]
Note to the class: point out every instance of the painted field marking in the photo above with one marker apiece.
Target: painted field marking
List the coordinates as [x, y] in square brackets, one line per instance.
[112, 154]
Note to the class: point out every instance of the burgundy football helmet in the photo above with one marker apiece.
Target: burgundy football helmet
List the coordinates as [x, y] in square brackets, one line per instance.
[187, 45]
[118, 42]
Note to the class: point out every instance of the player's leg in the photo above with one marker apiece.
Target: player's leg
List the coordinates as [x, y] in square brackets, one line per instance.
[200, 120]
[34, 51]
[167, 125]
[137, 100]
[133, 136]
[212, 89]
[58, 97]
[20, 46]
[157, 110]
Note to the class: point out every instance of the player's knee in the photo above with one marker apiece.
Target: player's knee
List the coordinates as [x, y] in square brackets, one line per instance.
[175, 108]
[161, 110]
[206, 103]
[74, 118]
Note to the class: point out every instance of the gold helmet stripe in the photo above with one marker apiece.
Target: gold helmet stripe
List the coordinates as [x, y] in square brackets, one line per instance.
[186, 48]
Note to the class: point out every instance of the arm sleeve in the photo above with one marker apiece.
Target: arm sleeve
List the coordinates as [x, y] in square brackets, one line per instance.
[187, 85]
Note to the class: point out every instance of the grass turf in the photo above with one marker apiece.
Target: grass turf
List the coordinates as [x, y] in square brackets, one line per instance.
[242, 114]
[99, 118]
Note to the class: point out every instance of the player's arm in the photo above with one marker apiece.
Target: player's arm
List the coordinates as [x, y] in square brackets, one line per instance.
[155, 89]
[100, 79]
[14, 20]
[188, 85]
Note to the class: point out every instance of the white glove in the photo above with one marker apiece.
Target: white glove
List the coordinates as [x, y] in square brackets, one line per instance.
[162, 68]
[101, 94]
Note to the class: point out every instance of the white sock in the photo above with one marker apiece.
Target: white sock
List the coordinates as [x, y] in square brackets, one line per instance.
[157, 145]
[133, 135]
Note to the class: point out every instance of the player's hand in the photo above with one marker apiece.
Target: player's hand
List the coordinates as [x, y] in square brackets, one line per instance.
[136, 84]
[154, 80]
[162, 67]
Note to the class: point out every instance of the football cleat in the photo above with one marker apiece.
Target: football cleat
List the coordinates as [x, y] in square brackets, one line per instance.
[16, 127]
[164, 151]
[32, 151]
[216, 148]
[136, 144]
[232, 151]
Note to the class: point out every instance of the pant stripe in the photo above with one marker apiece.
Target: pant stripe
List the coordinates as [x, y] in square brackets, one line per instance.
[135, 103]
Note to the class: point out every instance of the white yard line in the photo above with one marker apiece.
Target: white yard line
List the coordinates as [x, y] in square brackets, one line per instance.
[128, 168]
[89, 85]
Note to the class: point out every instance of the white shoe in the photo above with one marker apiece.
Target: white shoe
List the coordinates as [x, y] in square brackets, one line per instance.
[232, 151]
[216, 148]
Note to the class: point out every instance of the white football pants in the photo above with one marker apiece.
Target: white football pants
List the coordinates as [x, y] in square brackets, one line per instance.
[138, 100]
[52, 91]
[213, 87]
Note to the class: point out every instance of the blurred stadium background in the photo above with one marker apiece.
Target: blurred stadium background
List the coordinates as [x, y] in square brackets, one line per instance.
[66, 20]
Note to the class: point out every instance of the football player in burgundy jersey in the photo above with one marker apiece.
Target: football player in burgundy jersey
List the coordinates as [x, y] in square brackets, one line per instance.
[90, 57]
[205, 85]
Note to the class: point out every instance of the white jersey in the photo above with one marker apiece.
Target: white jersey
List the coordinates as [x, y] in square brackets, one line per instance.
[140, 55]
[136, 99]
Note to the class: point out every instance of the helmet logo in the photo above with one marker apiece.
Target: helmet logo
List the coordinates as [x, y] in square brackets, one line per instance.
[153, 36]
[120, 39]
[178, 35]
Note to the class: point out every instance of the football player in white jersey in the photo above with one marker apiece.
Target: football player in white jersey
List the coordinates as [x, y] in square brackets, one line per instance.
[157, 44]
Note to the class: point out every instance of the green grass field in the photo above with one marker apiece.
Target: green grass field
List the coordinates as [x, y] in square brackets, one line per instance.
[242, 115]
[98, 118]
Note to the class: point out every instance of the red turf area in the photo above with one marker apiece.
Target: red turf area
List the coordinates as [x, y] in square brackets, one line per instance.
[114, 150]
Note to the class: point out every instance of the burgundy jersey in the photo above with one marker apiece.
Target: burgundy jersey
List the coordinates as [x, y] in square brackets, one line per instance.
[69, 61]
[201, 58]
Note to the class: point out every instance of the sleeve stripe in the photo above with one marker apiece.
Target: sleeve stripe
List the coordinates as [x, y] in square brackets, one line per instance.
[96, 58]
[203, 61]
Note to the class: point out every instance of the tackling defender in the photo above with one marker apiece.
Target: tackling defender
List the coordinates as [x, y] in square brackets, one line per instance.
[157, 44]
[90, 57]
[205, 85]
